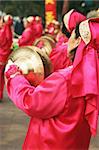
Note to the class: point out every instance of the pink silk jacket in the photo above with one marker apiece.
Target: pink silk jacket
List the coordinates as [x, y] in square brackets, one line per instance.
[59, 57]
[57, 121]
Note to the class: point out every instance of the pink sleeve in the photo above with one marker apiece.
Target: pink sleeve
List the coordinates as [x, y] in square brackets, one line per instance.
[8, 36]
[44, 101]
[3, 39]
[25, 38]
[59, 57]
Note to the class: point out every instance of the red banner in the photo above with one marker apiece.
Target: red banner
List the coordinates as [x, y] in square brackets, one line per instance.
[50, 11]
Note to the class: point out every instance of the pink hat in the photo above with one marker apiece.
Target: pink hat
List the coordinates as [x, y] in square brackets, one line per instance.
[30, 20]
[85, 75]
[72, 18]
[8, 19]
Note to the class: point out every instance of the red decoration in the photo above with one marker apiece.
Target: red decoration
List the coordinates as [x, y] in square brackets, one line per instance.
[50, 11]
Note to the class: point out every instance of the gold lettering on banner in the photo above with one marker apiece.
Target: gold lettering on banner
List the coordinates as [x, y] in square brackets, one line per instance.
[49, 16]
[49, 1]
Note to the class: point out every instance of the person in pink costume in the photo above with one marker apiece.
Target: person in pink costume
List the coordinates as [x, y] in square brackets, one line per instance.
[63, 108]
[37, 27]
[33, 30]
[27, 37]
[5, 47]
[58, 55]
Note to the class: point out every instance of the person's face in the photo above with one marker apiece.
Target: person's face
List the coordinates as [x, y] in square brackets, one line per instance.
[73, 43]
[25, 24]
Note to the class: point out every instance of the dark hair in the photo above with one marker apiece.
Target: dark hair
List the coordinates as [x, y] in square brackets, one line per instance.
[77, 34]
[64, 29]
[73, 52]
[77, 31]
